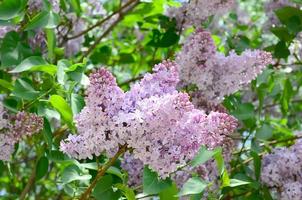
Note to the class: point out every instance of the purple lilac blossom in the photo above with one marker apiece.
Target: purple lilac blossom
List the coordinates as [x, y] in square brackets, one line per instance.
[215, 74]
[195, 12]
[34, 6]
[159, 123]
[281, 169]
[14, 127]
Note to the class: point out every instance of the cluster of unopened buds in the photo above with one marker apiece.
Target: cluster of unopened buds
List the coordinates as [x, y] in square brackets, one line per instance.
[15, 127]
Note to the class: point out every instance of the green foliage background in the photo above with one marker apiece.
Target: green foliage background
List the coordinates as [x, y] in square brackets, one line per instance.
[53, 87]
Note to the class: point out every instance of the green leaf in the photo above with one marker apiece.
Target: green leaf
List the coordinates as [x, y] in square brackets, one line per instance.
[193, 186]
[42, 167]
[56, 156]
[62, 107]
[101, 55]
[281, 50]
[219, 161]
[12, 50]
[127, 192]
[244, 111]
[77, 103]
[282, 33]
[47, 133]
[35, 63]
[24, 90]
[169, 193]
[167, 39]
[5, 84]
[202, 156]
[103, 189]
[45, 19]
[115, 171]
[11, 8]
[257, 164]
[1, 167]
[72, 173]
[61, 75]
[51, 43]
[76, 6]
[126, 58]
[286, 95]
[265, 132]
[291, 17]
[237, 182]
[152, 184]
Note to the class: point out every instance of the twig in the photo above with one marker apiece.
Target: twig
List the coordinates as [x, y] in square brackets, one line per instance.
[60, 131]
[102, 21]
[120, 18]
[29, 184]
[28, 105]
[102, 171]
[131, 80]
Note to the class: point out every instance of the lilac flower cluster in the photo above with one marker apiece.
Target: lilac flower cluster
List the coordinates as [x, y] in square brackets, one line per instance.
[282, 170]
[215, 74]
[195, 12]
[207, 171]
[159, 123]
[35, 6]
[14, 127]
[95, 8]
[134, 168]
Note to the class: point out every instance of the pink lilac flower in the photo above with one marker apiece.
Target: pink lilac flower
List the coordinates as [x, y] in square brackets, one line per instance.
[195, 12]
[215, 74]
[134, 168]
[14, 127]
[282, 170]
[159, 123]
[34, 6]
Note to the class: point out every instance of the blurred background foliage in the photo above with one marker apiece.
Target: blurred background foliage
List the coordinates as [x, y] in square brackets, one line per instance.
[46, 81]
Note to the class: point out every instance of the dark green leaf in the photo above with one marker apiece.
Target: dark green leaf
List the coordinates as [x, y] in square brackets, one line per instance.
[5, 84]
[11, 8]
[286, 96]
[169, 193]
[12, 50]
[193, 186]
[257, 164]
[291, 17]
[72, 173]
[281, 50]
[127, 192]
[152, 184]
[282, 33]
[77, 103]
[44, 19]
[24, 90]
[104, 191]
[244, 111]
[35, 63]
[42, 167]
[265, 132]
